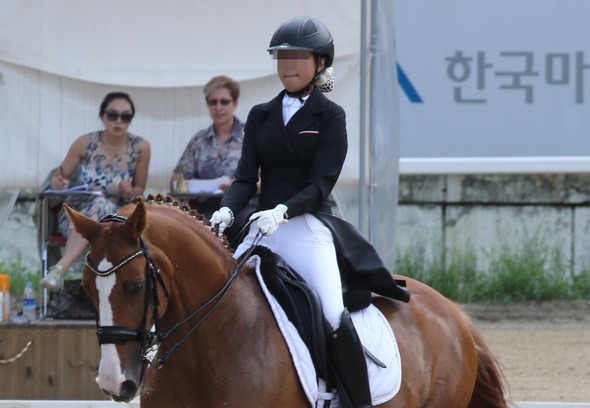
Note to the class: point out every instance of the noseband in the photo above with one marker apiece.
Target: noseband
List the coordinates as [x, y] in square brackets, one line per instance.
[150, 341]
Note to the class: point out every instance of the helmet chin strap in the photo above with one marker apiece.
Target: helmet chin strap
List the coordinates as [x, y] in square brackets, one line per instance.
[309, 87]
[302, 92]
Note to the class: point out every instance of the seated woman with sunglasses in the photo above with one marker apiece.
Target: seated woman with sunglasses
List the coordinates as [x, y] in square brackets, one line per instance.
[111, 161]
[215, 151]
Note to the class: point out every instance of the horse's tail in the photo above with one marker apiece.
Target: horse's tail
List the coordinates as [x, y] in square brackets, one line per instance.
[489, 391]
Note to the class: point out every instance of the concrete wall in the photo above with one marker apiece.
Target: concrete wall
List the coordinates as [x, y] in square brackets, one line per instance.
[486, 213]
[478, 213]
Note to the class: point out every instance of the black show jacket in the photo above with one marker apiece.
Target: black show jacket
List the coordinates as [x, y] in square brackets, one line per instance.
[299, 163]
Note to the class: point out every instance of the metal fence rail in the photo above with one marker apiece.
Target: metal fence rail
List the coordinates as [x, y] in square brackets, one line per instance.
[135, 404]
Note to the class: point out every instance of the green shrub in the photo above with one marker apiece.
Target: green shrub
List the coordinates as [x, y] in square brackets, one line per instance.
[18, 274]
[529, 271]
[581, 285]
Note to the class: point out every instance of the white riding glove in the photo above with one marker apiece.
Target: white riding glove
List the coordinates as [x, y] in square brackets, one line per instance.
[223, 217]
[269, 220]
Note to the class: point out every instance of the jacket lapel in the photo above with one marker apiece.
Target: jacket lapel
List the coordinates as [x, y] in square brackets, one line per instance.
[274, 124]
[305, 119]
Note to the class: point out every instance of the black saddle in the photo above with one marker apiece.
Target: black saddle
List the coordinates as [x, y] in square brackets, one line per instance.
[303, 307]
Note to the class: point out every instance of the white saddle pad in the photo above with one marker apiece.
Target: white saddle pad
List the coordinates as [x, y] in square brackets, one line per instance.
[375, 334]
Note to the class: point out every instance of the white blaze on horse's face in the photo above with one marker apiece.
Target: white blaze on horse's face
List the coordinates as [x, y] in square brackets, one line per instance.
[110, 376]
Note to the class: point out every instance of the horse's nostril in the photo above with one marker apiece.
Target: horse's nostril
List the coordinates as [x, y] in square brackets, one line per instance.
[128, 390]
[105, 392]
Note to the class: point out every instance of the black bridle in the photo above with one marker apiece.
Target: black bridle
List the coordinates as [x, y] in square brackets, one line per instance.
[151, 341]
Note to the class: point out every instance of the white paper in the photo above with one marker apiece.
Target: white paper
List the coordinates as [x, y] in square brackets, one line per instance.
[210, 186]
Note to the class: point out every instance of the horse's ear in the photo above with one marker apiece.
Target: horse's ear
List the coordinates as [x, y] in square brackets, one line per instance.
[136, 223]
[82, 224]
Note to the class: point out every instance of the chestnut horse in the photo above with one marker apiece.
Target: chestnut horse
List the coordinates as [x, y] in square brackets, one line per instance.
[158, 276]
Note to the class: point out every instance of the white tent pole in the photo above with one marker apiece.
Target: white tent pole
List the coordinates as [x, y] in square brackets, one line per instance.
[364, 131]
[379, 144]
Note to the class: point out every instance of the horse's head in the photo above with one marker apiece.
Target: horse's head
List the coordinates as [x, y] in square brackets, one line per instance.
[129, 294]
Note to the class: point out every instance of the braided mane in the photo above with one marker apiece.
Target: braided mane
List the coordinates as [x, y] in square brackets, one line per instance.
[169, 202]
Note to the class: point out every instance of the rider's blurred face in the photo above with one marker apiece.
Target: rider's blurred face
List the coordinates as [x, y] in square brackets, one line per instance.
[296, 68]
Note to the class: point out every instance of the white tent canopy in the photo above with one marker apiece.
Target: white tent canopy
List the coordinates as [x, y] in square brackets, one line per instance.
[59, 58]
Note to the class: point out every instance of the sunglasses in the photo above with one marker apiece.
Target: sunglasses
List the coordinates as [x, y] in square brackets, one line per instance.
[115, 116]
[223, 102]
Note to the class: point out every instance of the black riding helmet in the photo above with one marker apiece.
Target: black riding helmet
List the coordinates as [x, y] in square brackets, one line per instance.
[304, 34]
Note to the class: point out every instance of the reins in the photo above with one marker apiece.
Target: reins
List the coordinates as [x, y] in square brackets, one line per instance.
[216, 300]
[151, 342]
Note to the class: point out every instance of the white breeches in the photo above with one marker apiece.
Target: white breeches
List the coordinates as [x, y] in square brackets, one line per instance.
[308, 247]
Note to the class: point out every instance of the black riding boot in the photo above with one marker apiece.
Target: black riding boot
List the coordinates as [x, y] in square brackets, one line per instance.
[348, 360]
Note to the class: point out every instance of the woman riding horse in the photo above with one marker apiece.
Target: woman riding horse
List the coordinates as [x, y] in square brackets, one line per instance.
[297, 143]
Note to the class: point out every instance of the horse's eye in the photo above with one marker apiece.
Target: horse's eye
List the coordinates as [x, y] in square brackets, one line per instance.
[136, 288]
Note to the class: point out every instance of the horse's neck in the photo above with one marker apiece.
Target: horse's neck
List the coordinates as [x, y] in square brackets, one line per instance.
[233, 340]
[236, 356]
[241, 308]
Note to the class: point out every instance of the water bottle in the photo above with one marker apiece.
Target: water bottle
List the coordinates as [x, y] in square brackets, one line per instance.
[5, 289]
[29, 303]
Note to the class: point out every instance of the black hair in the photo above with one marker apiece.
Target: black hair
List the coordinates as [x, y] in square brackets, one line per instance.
[111, 97]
